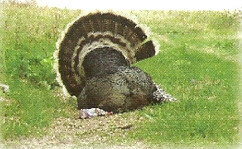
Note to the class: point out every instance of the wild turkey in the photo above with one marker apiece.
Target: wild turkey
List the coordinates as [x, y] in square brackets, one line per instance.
[94, 60]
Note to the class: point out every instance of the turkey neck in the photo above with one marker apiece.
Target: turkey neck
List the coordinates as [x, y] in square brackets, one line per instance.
[103, 61]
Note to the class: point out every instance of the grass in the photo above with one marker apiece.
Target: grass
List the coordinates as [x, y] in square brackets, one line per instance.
[198, 64]
[28, 40]
[207, 107]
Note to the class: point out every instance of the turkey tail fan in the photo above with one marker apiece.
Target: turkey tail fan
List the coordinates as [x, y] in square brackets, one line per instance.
[98, 30]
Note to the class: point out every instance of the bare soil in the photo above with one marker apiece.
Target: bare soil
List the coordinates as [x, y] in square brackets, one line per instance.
[96, 132]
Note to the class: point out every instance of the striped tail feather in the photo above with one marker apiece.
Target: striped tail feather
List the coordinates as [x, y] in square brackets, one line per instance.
[98, 30]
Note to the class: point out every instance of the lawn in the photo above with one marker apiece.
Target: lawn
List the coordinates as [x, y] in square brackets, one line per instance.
[198, 64]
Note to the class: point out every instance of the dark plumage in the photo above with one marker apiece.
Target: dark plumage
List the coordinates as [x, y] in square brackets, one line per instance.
[94, 58]
[103, 61]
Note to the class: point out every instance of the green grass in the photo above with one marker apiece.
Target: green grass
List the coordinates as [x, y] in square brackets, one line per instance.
[28, 39]
[207, 108]
[200, 68]
[31, 108]
[197, 64]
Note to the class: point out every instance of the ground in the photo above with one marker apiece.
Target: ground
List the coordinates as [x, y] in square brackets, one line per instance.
[97, 131]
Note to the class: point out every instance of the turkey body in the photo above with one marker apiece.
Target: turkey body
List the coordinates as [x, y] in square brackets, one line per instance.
[103, 61]
[112, 84]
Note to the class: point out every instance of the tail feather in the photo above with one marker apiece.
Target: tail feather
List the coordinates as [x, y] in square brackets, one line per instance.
[145, 50]
[98, 30]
